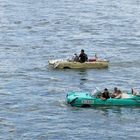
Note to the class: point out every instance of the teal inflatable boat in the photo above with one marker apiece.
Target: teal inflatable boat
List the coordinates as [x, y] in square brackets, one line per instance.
[86, 99]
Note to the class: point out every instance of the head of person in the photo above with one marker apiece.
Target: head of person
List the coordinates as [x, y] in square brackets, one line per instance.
[115, 89]
[105, 90]
[82, 51]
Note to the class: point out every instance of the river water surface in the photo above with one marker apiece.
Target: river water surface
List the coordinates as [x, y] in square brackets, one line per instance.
[32, 95]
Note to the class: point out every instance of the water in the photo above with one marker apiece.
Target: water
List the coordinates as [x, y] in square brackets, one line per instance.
[32, 96]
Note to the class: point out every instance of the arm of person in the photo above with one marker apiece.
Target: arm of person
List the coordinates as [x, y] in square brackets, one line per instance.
[102, 98]
[118, 96]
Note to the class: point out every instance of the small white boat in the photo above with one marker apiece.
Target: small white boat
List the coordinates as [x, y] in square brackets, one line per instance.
[68, 64]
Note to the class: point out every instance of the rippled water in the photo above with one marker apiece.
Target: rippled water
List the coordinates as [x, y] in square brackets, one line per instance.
[32, 95]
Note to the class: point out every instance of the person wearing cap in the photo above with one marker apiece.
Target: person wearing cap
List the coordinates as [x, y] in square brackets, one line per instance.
[83, 56]
[105, 94]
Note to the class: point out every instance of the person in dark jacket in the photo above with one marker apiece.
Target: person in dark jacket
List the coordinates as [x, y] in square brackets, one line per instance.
[105, 94]
[83, 56]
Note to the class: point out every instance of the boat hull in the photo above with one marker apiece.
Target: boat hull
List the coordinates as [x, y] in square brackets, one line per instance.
[77, 65]
[83, 99]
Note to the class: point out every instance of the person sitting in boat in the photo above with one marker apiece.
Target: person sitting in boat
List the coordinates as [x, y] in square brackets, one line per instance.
[75, 58]
[105, 94]
[134, 92]
[83, 56]
[119, 94]
[115, 92]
